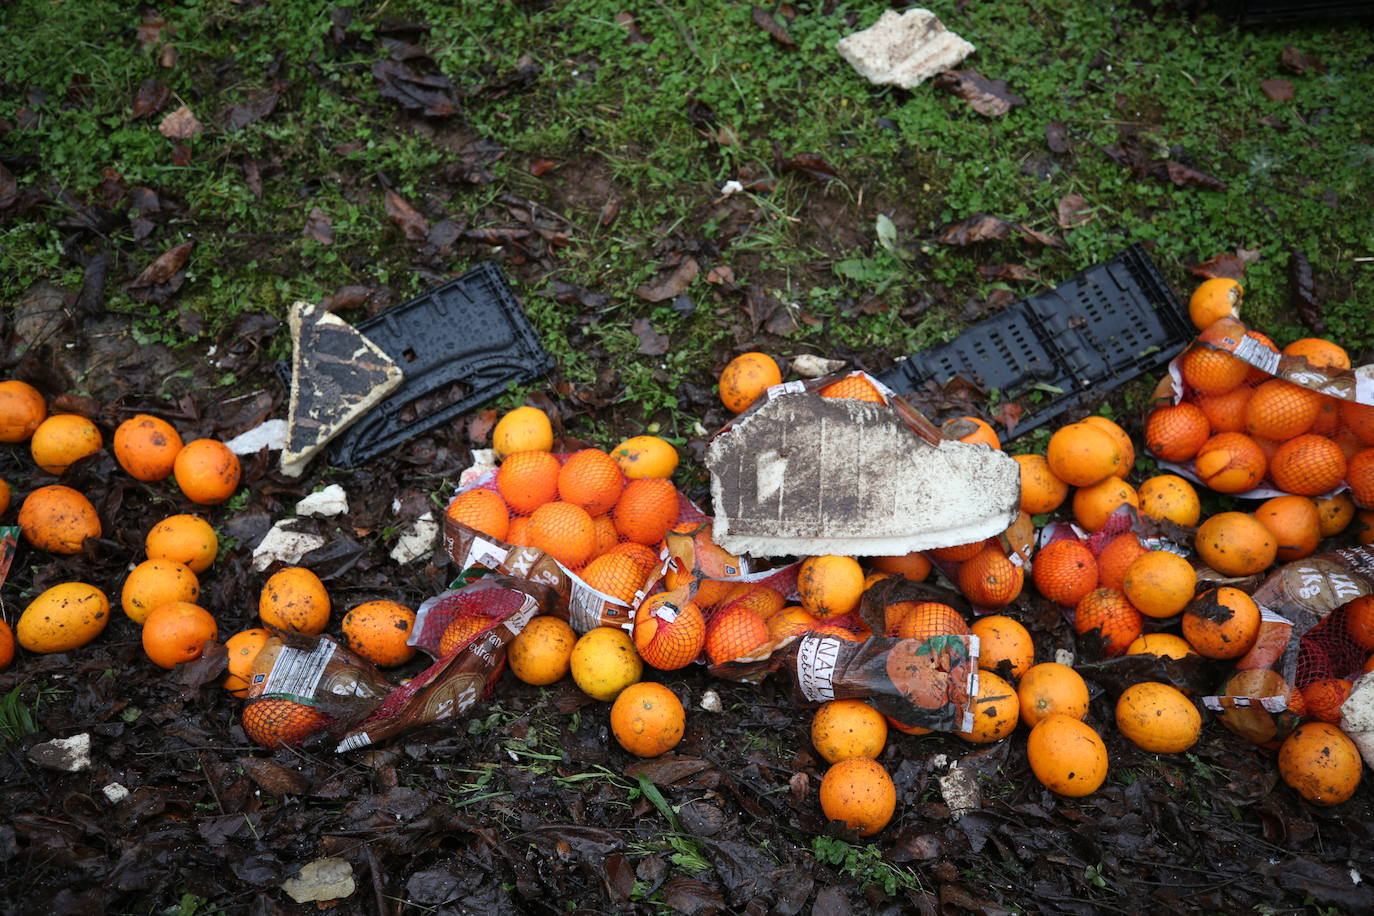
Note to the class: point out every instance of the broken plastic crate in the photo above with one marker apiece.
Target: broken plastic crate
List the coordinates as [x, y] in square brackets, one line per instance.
[1096, 331]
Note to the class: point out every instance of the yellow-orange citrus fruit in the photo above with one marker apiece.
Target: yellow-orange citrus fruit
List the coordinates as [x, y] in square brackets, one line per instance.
[62, 618]
[1225, 413]
[1211, 371]
[646, 558]
[834, 629]
[1116, 558]
[527, 480]
[604, 662]
[1002, 639]
[242, 649]
[275, 721]
[958, 553]
[294, 598]
[460, 632]
[1081, 454]
[63, 439]
[1041, 491]
[647, 719]
[607, 538]
[563, 531]
[1170, 497]
[1323, 697]
[1359, 620]
[971, 430]
[924, 619]
[484, 511]
[855, 387]
[378, 631]
[759, 598]
[22, 410]
[1175, 432]
[518, 531]
[207, 471]
[6, 644]
[541, 653]
[1067, 756]
[1321, 763]
[1359, 419]
[155, 582]
[1123, 441]
[1359, 475]
[1064, 571]
[991, 579]
[146, 447]
[1222, 623]
[1278, 409]
[187, 539]
[1320, 353]
[996, 710]
[1230, 463]
[1334, 513]
[524, 429]
[1328, 416]
[176, 632]
[1308, 465]
[58, 519]
[791, 621]
[1049, 688]
[1160, 584]
[646, 456]
[842, 729]
[1215, 298]
[1295, 524]
[1108, 611]
[1364, 527]
[1164, 645]
[733, 632]
[1235, 544]
[4, 497]
[746, 377]
[1093, 505]
[591, 479]
[858, 793]
[1158, 718]
[830, 586]
[669, 634]
[615, 574]
[646, 510]
[911, 566]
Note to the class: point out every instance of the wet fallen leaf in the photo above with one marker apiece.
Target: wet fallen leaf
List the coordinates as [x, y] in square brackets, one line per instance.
[540, 166]
[1004, 273]
[1231, 266]
[674, 283]
[1073, 211]
[399, 211]
[651, 342]
[1278, 90]
[1186, 176]
[152, 95]
[259, 104]
[319, 226]
[984, 227]
[180, 125]
[988, 97]
[812, 166]
[1296, 61]
[163, 277]
[1057, 137]
[149, 29]
[721, 275]
[632, 34]
[1302, 293]
[430, 94]
[274, 778]
[766, 21]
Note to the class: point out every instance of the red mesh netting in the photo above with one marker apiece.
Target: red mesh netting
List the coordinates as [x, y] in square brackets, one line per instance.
[1329, 651]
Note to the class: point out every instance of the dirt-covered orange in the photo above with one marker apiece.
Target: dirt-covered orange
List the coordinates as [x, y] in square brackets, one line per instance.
[1160, 583]
[1321, 763]
[177, 632]
[524, 429]
[526, 480]
[22, 410]
[1235, 544]
[858, 793]
[64, 617]
[1049, 688]
[242, 650]
[378, 630]
[647, 719]
[1041, 491]
[58, 519]
[63, 439]
[842, 729]
[1064, 571]
[207, 471]
[1002, 639]
[1158, 717]
[1222, 623]
[669, 633]
[294, 598]
[146, 447]
[541, 653]
[646, 456]
[996, 710]
[155, 582]
[187, 539]
[746, 377]
[1067, 756]
[972, 430]
[604, 662]
[1172, 498]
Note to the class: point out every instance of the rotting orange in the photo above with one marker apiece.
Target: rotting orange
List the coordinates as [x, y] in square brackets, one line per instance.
[791, 621]
[592, 480]
[734, 632]
[1335, 512]
[206, 471]
[854, 387]
[63, 439]
[647, 509]
[1093, 505]
[1359, 475]
[746, 377]
[1230, 463]
[1320, 353]
[1308, 465]
[1359, 621]
[604, 662]
[242, 650]
[187, 539]
[1172, 498]
[1123, 441]
[563, 531]
[991, 579]
[1108, 611]
[484, 511]
[913, 566]
[146, 447]
[1323, 697]
[1211, 371]
[645, 456]
[1041, 491]
[460, 632]
[996, 710]
[647, 719]
[1067, 756]
[1116, 558]
[1175, 432]
[614, 574]
[58, 519]
[1321, 763]
[1225, 413]
[1064, 571]
[22, 410]
[1081, 454]
[1278, 409]
[1049, 688]
[274, 721]
[1160, 584]
[1213, 299]
[859, 794]
[669, 634]
[379, 631]
[1003, 639]
[1235, 544]
[1295, 524]
[294, 598]
[972, 430]
[924, 619]
[541, 653]
[176, 632]
[1158, 718]
[526, 480]
[958, 553]
[842, 729]
[155, 582]
[830, 586]
[1164, 645]
[1222, 623]
[523, 429]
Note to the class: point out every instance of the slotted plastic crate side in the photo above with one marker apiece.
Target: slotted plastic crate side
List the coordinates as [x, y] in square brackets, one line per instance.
[1007, 353]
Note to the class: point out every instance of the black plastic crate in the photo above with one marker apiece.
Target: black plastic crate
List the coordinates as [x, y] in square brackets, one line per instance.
[459, 345]
[1097, 330]
[1247, 12]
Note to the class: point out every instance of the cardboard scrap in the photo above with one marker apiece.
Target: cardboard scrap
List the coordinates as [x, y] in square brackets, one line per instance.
[904, 49]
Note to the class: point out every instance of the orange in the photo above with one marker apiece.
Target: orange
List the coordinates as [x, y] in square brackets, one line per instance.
[1158, 718]
[242, 649]
[155, 582]
[834, 629]
[379, 630]
[484, 511]
[518, 531]
[790, 621]
[1308, 465]
[1050, 688]
[146, 447]
[6, 644]
[1235, 544]
[1295, 524]
[1256, 374]
[604, 662]
[1222, 623]
[734, 632]
[1322, 698]
[1320, 763]
[541, 653]
[63, 439]
[855, 387]
[1067, 756]
[647, 719]
[1116, 558]
[759, 598]
[924, 619]
[830, 586]
[647, 509]
[524, 429]
[1319, 353]
[294, 598]
[22, 410]
[859, 794]
[58, 519]
[527, 480]
[1328, 415]
[1160, 584]
[645, 456]
[991, 579]
[591, 479]
[1225, 413]
[1064, 571]
[4, 497]
[1359, 475]
[615, 574]
[1364, 527]
[1170, 497]
[1002, 639]
[1214, 299]
[1211, 371]
[273, 721]
[563, 531]
[971, 430]
[996, 710]
[176, 632]
[1359, 419]
[1278, 409]
[1175, 432]
[842, 729]
[745, 378]
[64, 617]
[1108, 611]
[1359, 620]
[1164, 645]
[460, 633]
[669, 634]
[1082, 454]
[1123, 441]
[958, 553]
[207, 471]
[607, 538]
[1093, 505]
[187, 539]
[1230, 463]
[1041, 491]
[1334, 513]
[646, 558]
[913, 566]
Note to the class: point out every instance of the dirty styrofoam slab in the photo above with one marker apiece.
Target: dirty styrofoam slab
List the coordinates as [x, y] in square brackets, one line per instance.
[903, 49]
[805, 475]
